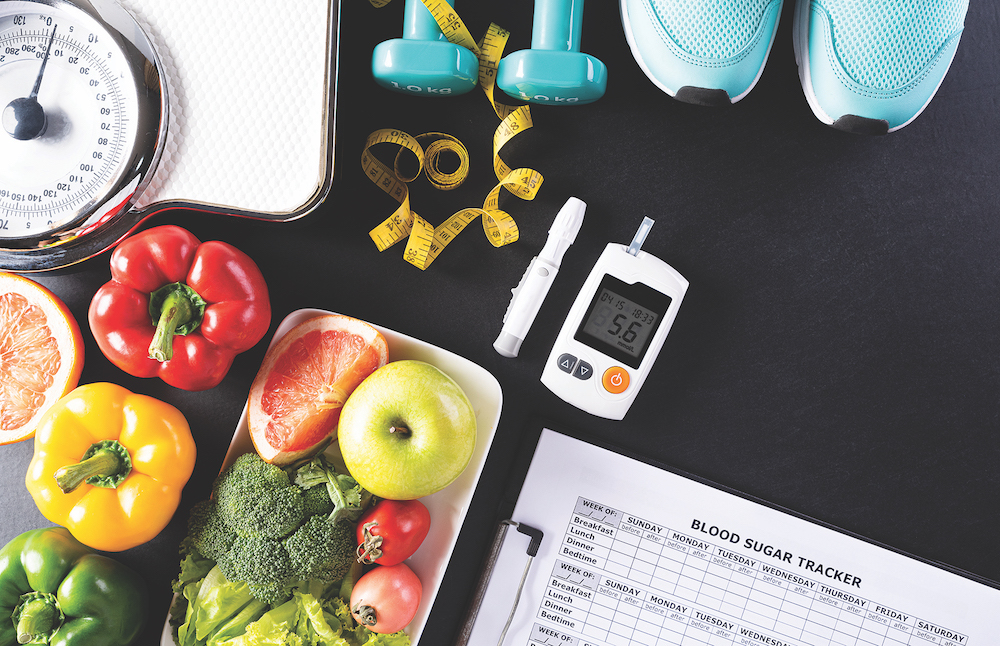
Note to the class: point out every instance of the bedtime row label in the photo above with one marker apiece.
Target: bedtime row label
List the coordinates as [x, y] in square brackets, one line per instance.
[620, 579]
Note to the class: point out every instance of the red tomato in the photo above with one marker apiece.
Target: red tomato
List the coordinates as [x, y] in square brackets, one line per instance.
[391, 531]
[386, 598]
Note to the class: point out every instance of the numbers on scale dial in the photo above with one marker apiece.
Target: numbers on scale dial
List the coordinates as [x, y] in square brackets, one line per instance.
[87, 133]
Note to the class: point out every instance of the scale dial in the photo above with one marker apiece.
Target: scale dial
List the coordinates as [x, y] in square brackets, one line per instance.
[83, 111]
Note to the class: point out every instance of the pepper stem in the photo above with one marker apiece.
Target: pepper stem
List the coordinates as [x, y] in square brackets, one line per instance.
[175, 309]
[105, 464]
[37, 617]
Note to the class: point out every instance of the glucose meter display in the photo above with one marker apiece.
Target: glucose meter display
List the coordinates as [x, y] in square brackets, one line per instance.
[622, 319]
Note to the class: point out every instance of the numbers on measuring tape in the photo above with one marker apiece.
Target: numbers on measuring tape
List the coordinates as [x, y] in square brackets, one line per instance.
[424, 241]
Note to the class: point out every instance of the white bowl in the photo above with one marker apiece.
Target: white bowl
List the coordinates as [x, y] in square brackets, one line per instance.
[447, 507]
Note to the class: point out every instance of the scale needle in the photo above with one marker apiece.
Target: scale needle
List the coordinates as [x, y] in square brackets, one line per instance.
[24, 118]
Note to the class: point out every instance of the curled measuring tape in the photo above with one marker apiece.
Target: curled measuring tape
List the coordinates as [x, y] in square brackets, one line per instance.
[424, 241]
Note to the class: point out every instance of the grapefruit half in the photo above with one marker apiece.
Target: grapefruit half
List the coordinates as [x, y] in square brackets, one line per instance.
[303, 382]
[41, 354]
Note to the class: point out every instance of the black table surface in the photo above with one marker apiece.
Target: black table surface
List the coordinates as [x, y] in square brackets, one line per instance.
[836, 354]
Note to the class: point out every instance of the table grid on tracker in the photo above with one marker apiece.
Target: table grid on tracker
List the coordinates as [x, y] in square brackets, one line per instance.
[650, 585]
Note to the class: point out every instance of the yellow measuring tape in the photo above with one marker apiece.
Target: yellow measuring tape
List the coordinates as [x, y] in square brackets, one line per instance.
[424, 241]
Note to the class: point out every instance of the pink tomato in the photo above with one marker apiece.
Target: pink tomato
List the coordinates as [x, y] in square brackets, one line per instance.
[385, 599]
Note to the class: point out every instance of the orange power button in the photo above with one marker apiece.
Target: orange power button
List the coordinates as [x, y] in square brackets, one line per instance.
[615, 380]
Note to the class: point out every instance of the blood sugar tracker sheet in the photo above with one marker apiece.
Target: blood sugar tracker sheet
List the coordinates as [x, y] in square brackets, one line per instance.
[634, 554]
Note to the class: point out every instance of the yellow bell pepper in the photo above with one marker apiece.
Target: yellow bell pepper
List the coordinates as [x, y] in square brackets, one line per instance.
[110, 465]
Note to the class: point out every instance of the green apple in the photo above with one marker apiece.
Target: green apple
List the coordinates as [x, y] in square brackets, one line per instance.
[407, 431]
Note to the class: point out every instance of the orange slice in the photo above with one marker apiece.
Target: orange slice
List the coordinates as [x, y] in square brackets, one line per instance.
[41, 354]
[303, 382]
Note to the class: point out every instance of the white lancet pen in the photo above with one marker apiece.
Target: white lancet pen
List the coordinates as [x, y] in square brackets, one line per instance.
[537, 279]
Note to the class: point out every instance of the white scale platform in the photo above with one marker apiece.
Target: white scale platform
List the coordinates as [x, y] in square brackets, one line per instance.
[252, 87]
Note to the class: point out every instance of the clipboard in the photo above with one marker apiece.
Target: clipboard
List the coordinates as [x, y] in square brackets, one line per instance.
[635, 552]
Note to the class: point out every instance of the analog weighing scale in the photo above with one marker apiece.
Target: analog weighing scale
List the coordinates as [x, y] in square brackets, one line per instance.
[114, 111]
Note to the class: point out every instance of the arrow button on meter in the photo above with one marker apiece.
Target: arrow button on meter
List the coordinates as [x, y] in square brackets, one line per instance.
[566, 362]
[583, 370]
[615, 380]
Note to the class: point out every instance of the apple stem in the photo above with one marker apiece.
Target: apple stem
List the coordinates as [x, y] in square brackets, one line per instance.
[402, 430]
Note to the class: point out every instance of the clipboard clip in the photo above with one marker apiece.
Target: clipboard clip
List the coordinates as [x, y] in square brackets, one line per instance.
[535, 536]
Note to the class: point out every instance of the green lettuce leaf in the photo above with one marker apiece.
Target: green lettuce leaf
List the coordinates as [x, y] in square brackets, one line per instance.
[391, 639]
[194, 567]
[273, 628]
[315, 625]
[185, 632]
[219, 600]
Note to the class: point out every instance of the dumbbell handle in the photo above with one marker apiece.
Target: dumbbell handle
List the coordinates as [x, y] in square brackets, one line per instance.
[556, 25]
[419, 23]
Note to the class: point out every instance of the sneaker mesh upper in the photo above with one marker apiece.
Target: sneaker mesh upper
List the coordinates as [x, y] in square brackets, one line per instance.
[715, 29]
[884, 44]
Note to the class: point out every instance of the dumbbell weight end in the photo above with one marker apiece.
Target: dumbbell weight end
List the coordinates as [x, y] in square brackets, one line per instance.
[423, 62]
[554, 71]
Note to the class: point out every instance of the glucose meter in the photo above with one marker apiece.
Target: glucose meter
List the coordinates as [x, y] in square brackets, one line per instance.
[615, 329]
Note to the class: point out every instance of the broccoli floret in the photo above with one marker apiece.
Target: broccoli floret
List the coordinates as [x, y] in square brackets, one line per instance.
[271, 529]
[207, 533]
[255, 497]
[263, 564]
[200, 513]
[198, 518]
[275, 514]
[321, 549]
[316, 502]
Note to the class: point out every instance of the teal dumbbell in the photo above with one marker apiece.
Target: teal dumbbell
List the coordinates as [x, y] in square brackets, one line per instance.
[553, 71]
[423, 62]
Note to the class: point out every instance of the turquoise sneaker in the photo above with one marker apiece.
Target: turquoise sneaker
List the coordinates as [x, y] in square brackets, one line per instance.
[872, 66]
[709, 52]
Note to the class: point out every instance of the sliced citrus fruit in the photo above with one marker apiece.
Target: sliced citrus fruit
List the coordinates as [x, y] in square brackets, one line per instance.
[41, 354]
[303, 382]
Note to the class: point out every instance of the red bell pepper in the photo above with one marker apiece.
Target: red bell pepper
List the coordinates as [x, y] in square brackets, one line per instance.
[178, 308]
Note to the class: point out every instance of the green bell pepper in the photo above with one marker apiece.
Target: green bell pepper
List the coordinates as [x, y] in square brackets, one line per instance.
[58, 591]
